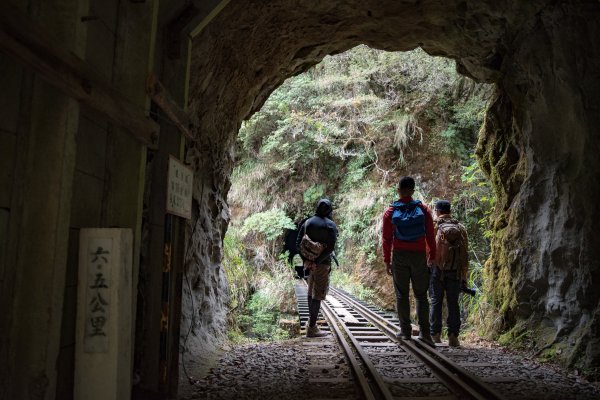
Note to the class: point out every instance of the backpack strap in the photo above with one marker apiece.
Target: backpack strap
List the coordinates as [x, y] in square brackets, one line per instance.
[398, 203]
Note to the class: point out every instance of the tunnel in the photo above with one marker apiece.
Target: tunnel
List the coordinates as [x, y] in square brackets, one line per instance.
[544, 256]
[75, 156]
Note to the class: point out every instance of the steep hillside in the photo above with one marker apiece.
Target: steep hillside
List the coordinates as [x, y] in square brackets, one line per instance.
[348, 129]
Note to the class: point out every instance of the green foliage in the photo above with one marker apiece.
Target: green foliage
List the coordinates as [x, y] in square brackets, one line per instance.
[356, 171]
[346, 129]
[473, 206]
[474, 307]
[255, 294]
[517, 337]
[463, 112]
[259, 320]
[351, 284]
[357, 215]
[454, 140]
[313, 194]
[352, 110]
[238, 270]
[268, 223]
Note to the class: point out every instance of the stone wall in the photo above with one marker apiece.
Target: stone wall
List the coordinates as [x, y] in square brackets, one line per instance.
[541, 147]
[205, 293]
[538, 145]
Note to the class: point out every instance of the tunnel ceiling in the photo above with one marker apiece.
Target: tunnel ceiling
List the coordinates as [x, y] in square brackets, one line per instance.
[253, 46]
[545, 256]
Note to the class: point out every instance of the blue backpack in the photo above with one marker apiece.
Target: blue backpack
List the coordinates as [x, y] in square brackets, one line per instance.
[409, 220]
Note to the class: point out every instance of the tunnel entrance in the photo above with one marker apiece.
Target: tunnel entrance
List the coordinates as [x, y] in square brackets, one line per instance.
[348, 129]
[528, 255]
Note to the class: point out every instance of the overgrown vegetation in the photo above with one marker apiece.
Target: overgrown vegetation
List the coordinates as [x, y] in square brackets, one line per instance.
[347, 129]
[260, 286]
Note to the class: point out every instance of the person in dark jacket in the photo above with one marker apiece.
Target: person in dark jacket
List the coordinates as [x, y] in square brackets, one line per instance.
[319, 228]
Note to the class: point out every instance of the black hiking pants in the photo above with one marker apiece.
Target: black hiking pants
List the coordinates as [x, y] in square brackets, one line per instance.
[410, 267]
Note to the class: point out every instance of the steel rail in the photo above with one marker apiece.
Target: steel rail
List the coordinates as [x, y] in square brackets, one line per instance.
[333, 321]
[456, 378]
[356, 370]
[368, 364]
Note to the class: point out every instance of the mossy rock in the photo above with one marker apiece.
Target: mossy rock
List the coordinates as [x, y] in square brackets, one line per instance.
[517, 337]
[552, 353]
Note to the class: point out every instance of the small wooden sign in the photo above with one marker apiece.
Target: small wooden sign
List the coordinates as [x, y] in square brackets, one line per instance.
[179, 189]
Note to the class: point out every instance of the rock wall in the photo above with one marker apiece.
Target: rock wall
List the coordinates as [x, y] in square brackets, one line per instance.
[537, 145]
[540, 145]
[205, 296]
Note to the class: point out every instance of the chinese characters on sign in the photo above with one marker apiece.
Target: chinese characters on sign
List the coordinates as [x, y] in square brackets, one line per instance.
[105, 314]
[179, 189]
[98, 295]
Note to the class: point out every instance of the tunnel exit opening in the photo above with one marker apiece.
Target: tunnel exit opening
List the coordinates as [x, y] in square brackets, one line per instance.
[348, 129]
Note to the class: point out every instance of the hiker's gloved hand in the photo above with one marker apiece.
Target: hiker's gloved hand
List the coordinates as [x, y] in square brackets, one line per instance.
[388, 268]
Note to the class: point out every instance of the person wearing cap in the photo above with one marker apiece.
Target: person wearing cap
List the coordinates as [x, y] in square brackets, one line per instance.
[319, 228]
[407, 259]
[449, 271]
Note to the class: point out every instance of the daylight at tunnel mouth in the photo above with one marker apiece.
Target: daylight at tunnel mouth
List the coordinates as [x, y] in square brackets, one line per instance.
[140, 141]
[348, 129]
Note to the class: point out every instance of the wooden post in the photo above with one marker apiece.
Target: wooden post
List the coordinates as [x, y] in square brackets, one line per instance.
[165, 312]
[163, 99]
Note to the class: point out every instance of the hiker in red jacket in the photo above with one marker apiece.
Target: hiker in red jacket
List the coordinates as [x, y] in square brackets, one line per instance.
[408, 230]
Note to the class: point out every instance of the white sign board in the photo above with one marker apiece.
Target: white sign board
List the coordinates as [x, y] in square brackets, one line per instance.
[179, 189]
[103, 345]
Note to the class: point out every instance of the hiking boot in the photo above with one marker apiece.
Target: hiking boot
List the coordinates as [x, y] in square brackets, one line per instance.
[403, 336]
[437, 338]
[453, 340]
[314, 331]
[427, 340]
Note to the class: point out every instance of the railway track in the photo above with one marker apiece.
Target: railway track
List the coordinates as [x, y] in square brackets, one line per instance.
[377, 358]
